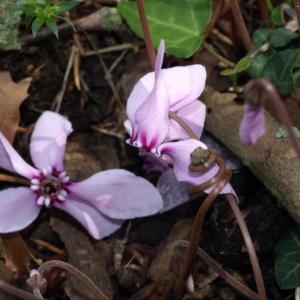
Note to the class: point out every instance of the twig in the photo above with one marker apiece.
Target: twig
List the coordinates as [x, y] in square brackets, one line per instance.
[117, 61]
[115, 48]
[107, 74]
[147, 35]
[240, 25]
[61, 94]
[222, 37]
[224, 60]
[297, 8]
[263, 10]
[48, 246]
[14, 179]
[107, 132]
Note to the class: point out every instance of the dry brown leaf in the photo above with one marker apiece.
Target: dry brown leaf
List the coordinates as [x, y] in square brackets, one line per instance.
[11, 96]
[16, 254]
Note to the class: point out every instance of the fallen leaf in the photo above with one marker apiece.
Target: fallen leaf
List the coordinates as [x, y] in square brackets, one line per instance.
[16, 254]
[84, 256]
[11, 96]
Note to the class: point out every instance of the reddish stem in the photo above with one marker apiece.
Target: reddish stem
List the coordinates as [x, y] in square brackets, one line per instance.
[240, 25]
[263, 10]
[147, 35]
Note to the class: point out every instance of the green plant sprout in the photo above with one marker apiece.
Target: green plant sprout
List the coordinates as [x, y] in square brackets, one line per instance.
[45, 12]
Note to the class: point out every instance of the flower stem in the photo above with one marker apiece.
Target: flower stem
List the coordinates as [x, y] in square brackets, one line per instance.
[240, 25]
[63, 265]
[12, 290]
[263, 85]
[263, 10]
[147, 35]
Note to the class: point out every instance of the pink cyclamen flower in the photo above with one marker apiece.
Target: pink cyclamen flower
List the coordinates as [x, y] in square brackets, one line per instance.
[150, 128]
[155, 95]
[253, 124]
[100, 203]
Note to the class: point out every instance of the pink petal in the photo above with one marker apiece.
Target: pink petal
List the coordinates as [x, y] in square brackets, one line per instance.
[48, 140]
[180, 154]
[174, 193]
[194, 116]
[18, 209]
[11, 161]
[97, 225]
[152, 163]
[119, 194]
[184, 84]
[253, 124]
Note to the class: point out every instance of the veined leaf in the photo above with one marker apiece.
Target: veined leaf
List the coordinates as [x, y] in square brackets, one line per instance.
[261, 36]
[281, 36]
[65, 6]
[241, 66]
[51, 23]
[287, 264]
[36, 25]
[180, 23]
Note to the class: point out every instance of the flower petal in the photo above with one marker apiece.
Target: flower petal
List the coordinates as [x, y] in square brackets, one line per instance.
[184, 84]
[48, 140]
[18, 209]
[253, 124]
[97, 225]
[174, 193]
[194, 116]
[11, 161]
[119, 194]
[180, 154]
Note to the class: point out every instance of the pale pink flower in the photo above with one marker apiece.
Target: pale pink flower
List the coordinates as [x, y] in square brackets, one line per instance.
[100, 203]
[155, 95]
[150, 128]
[253, 124]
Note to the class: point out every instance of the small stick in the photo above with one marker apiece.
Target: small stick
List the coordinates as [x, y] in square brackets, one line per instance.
[263, 10]
[109, 49]
[147, 35]
[14, 179]
[65, 81]
[240, 25]
[297, 8]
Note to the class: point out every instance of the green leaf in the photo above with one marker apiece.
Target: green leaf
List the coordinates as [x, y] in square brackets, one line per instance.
[65, 6]
[51, 23]
[287, 262]
[277, 16]
[280, 37]
[296, 79]
[241, 66]
[279, 69]
[261, 36]
[257, 66]
[180, 23]
[36, 25]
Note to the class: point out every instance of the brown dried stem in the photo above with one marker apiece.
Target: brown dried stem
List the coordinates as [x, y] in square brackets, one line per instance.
[240, 24]
[263, 10]
[261, 86]
[147, 34]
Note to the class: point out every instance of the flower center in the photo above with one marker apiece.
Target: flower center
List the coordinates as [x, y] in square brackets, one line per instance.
[50, 186]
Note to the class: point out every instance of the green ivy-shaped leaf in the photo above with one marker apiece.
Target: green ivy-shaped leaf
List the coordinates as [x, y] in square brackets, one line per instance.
[281, 37]
[287, 263]
[261, 36]
[279, 69]
[180, 23]
[258, 64]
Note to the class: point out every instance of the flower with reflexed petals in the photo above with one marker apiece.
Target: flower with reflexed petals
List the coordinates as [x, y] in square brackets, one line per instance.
[100, 203]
